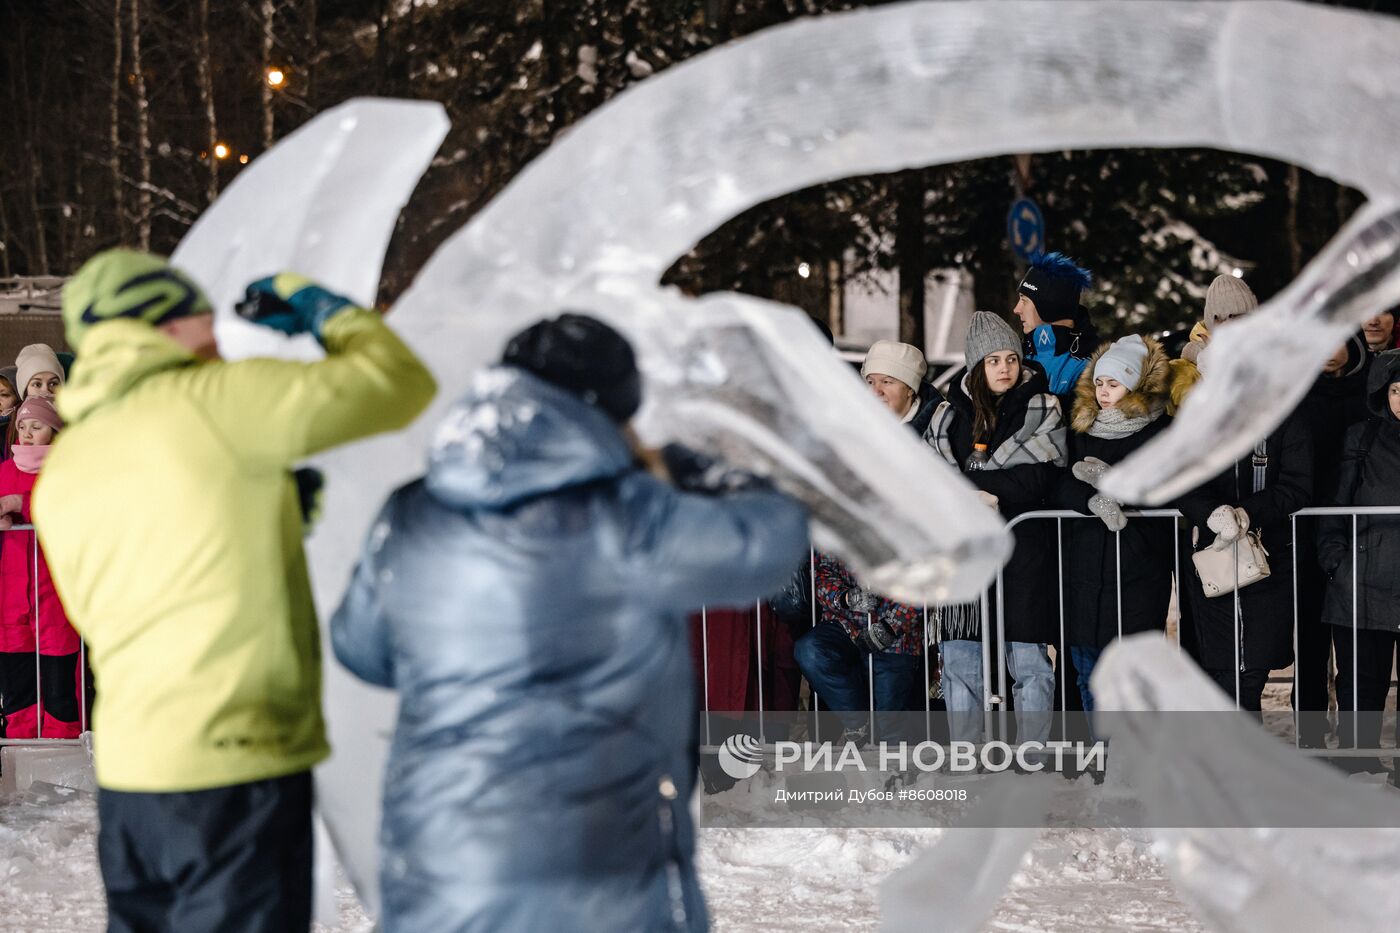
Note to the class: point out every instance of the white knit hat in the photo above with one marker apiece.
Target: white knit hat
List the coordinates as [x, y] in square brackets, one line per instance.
[1228, 297]
[1123, 361]
[900, 361]
[32, 360]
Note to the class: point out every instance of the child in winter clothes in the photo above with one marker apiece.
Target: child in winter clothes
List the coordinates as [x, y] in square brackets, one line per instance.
[1001, 426]
[49, 708]
[9, 400]
[1370, 464]
[1058, 332]
[38, 371]
[1120, 404]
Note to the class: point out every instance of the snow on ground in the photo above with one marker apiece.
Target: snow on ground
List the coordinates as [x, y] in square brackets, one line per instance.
[805, 879]
[755, 879]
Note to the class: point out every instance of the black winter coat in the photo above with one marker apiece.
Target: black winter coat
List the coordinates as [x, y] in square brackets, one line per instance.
[1369, 475]
[1144, 547]
[1331, 407]
[1092, 589]
[1029, 587]
[1266, 607]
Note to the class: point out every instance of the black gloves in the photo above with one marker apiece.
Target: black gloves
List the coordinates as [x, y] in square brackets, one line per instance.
[693, 471]
[877, 637]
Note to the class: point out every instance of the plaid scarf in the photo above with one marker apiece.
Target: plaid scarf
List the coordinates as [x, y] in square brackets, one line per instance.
[1040, 439]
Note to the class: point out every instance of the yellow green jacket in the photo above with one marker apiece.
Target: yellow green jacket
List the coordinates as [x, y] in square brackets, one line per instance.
[171, 525]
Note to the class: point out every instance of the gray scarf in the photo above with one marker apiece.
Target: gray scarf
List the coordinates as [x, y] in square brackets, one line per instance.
[1111, 424]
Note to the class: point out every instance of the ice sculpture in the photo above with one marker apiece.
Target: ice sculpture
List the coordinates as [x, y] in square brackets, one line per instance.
[1220, 769]
[324, 199]
[1259, 367]
[956, 884]
[595, 220]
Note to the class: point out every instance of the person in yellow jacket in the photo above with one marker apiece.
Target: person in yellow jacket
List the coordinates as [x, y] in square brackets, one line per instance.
[170, 518]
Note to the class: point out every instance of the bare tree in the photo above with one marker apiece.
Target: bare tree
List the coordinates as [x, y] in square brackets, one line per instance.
[143, 133]
[267, 11]
[114, 157]
[206, 97]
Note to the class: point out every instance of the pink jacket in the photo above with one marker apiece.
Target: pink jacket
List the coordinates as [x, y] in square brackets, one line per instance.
[19, 585]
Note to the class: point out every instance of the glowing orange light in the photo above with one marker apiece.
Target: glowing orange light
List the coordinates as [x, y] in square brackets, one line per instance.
[220, 151]
[276, 77]
[243, 159]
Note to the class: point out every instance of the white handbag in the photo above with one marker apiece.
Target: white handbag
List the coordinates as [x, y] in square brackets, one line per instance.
[1216, 565]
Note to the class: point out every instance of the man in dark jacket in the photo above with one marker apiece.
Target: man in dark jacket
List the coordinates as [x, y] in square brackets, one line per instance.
[1366, 631]
[527, 599]
[1058, 332]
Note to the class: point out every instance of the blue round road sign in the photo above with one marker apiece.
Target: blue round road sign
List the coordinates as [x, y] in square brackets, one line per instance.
[1025, 230]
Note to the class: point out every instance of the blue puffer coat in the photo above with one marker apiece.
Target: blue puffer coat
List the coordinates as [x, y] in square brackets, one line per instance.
[528, 601]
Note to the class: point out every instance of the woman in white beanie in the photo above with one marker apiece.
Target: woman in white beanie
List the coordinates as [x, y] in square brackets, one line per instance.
[861, 632]
[1002, 427]
[895, 372]
[38, 372]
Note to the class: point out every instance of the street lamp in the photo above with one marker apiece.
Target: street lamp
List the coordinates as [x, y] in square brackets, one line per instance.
[276, 77]
[220, 151]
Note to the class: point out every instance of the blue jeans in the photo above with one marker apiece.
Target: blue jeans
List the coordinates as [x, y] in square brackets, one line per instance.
[836, 669]
[1033, 687]
[1084, 660]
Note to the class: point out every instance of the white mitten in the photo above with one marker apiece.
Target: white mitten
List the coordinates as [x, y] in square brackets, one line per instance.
[1089, 470]
[1108, 510]
[1229, 522]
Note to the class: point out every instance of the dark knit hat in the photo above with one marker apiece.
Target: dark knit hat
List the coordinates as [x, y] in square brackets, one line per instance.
[1054, 283]
[584, 356]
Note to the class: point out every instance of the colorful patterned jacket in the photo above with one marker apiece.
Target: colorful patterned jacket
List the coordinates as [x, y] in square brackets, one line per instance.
[833, 582]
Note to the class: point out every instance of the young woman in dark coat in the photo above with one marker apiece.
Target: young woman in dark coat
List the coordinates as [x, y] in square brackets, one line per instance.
[1368, 476]
[1259, 492]
[1002, 427]
[1120, 404]
[1336, 401]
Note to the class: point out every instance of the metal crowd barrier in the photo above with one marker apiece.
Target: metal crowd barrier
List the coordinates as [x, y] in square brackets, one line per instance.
[994, 701]
[41, 739]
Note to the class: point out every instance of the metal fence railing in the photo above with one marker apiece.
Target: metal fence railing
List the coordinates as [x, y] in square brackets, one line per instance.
[993, 627]
[23, 536]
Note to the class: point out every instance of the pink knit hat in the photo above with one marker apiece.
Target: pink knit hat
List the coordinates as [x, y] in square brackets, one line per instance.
[41, 410]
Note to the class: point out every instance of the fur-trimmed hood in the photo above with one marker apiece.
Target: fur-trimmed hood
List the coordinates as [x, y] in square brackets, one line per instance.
[1151, 391]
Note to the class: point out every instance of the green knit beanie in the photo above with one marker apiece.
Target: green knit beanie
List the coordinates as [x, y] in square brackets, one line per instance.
[125, 283]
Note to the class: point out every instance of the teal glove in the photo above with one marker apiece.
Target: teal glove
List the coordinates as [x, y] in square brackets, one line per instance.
[292, 304]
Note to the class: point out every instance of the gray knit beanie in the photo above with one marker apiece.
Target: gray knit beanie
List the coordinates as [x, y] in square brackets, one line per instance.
[987, 334]
[1228, 297]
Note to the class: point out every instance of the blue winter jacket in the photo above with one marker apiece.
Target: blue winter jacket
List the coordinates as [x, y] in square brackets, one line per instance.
[1063, 353]
[528, 599]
